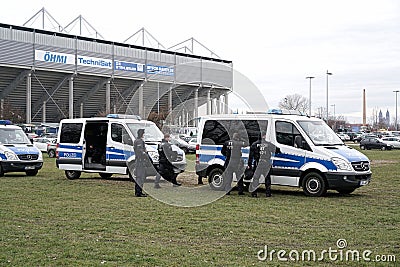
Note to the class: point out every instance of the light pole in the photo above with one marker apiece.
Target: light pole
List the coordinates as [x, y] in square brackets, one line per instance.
[327, 105]
[309, 95]
[334, 116]
[396, 91]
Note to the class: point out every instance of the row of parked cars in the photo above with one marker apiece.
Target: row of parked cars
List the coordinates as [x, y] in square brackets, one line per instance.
[372, 140]
[384, 143]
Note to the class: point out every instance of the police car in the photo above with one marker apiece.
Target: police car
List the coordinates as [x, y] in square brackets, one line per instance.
[105, 146]
[17, 153]
[311, 155]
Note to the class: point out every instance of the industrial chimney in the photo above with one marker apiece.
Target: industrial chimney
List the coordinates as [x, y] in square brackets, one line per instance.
[364, 109]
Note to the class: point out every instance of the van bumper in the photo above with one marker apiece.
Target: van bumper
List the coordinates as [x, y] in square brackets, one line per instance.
[18, 166]
[347, 181]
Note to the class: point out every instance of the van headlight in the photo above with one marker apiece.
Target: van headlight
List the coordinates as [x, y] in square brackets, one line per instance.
[341, 164]
[10, 155]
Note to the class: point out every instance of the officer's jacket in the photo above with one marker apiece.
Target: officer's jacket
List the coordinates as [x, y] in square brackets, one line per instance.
[165, 153]
[261, 150]
[232, 150]
[139, 146]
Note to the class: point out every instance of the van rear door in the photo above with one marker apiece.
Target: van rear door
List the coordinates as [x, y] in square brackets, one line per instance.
[70, 145]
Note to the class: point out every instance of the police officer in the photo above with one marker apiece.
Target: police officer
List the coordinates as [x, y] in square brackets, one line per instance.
[166, 156]
[232, 150]
[260, 161]
[141, 161]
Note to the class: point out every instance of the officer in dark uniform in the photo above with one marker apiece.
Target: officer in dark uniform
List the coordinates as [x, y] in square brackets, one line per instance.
[166, 156]
[141, 161]
[232, 150]
[260, 161]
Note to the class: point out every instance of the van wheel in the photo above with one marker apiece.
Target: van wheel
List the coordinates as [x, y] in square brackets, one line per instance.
[362, 147]
[105, 175]
[314, 185]
[1, 171]
[72, 175]
[216, 179]
[32, 173]
[383, 148]
[51, 153]
[346, 191]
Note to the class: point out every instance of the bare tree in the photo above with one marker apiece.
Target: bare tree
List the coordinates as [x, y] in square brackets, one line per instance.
[295, 102]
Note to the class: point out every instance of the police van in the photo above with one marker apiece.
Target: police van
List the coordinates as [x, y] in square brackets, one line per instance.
[105, 146]
[17, 153]
[311, 155]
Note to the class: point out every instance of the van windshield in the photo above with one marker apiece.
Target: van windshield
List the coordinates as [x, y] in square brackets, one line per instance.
[13, 136]
[151, 131]
[320, 133]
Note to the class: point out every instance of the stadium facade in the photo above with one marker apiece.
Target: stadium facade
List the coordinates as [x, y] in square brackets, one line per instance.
[51, 75]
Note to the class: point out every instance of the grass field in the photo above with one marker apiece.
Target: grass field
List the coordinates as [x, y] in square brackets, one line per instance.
[48, 220]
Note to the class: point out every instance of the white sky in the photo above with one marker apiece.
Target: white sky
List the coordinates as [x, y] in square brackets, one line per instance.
[276, 44]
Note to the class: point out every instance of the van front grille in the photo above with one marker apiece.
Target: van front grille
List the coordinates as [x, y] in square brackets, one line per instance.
[360, 166]
[28, 156]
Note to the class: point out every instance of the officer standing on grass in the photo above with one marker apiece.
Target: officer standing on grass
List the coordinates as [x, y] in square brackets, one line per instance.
[141, 160]
[260, 162]
[232, 150]
[166, 156]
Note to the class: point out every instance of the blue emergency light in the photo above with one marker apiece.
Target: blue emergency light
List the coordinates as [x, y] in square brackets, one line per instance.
[123, 116]
[5, 122]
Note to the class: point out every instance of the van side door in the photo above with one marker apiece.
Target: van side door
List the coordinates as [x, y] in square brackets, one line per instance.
[119, 148]
[287, 163]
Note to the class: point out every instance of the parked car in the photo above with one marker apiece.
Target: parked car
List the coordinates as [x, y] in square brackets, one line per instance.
[393, 141]
[51, 149]
[192, 145]
[374, 143]
[357, 137]
[344, 137]
[41, 142]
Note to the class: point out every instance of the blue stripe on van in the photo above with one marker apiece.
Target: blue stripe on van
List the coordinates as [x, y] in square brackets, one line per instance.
[219, 148]
[70, 147]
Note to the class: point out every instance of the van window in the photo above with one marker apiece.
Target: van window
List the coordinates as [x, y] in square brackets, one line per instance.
[218, 132]
[120, 134]
[71, 133]
[285, 133]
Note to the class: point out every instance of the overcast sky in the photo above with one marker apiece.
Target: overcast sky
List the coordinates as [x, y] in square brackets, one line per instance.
[276, 44]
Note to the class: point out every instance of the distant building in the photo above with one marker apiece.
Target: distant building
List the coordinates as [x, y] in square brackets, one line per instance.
[384, 121]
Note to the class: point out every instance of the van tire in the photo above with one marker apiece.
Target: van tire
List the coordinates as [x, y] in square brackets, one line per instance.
[72, 175]
[216, 179]
[383, 148]
[51, 153]
[105, 175]
[314, 185]
[362, 147]
[1, 171]
[32, 173]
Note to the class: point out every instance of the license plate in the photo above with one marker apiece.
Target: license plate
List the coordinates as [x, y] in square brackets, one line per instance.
[364, 182]
[29, 167]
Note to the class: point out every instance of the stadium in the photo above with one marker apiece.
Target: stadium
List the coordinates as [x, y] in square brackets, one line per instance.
[50, 75]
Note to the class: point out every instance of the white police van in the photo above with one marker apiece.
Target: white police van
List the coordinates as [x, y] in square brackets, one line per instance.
[17, 153]
[311, 155]
[105, 146]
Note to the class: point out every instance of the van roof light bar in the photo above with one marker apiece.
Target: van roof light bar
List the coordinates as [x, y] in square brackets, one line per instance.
[284, 112]
[5, 122]
[124, 116]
